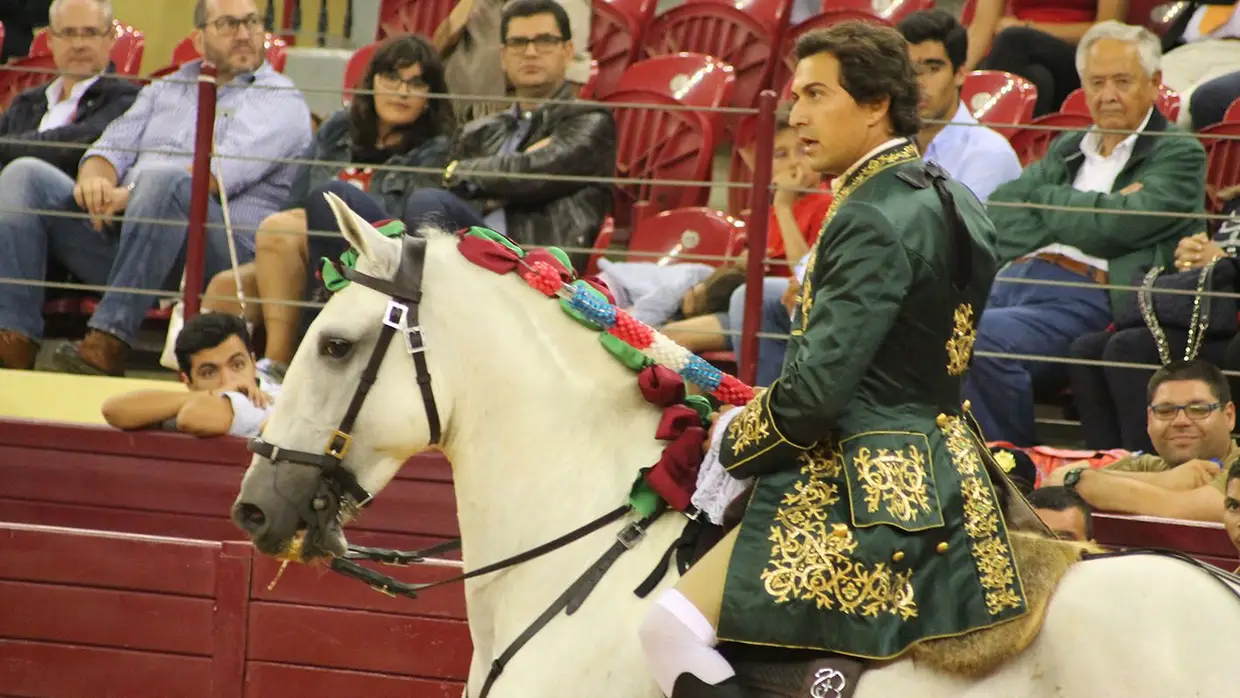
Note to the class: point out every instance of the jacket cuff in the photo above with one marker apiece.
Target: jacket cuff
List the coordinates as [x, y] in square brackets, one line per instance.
[754, 444]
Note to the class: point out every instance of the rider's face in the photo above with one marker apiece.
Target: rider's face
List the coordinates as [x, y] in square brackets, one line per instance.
[835, 129]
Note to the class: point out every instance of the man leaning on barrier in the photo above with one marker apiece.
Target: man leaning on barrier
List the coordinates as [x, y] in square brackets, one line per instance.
[56, 122]
[141, 167]
[1101, 207]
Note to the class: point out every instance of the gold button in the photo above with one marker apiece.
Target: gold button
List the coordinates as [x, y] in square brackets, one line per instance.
[966, 405]
[942, 421]
[897, 556]
[942, 547]
[839, 530]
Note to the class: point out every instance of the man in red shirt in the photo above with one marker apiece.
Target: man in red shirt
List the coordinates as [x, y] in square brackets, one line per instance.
[798, 211]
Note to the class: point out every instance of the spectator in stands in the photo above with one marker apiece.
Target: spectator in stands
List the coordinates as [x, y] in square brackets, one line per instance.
[1068, 515]
[798, 212]
[1036, 39]
[657, 294]
[1110, 398]
[141, 166]
[20, 18]
[226, 393]
[506, 168]
[398, 125]
[1209, 101]
[1190, 419]
[1201, 45]
[1231, 506]
[1130, 169]
[977, 156]
[469, 39]
[56, 122]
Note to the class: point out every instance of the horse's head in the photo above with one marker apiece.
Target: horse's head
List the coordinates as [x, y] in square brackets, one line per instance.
[338, 436]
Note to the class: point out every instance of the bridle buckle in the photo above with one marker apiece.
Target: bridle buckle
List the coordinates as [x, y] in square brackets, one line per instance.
[339, 445]
[397, 317]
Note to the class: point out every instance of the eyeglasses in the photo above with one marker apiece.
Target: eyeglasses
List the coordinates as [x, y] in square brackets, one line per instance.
[228, 25]
[1195, 411]
[71, 33]
[393, 82]
[543, 43]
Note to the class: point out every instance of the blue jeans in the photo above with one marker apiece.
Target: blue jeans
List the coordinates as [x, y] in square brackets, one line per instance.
[1028, 319]
[1211, 99]
[142, 254]
[775, 320]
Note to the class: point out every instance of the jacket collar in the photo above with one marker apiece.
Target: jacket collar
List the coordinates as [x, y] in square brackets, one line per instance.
[1144, 146]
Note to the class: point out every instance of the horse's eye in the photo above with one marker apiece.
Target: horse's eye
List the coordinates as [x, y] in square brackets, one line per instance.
[335, 348]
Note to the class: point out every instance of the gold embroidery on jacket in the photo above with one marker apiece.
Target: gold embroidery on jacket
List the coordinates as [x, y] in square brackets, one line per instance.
[751, 427]
[960, 346]
[852, 181]
[991, 555]
[896, 478]
[813, 561]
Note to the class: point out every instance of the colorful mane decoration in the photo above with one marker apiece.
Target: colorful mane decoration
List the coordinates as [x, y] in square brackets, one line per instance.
[662, 366]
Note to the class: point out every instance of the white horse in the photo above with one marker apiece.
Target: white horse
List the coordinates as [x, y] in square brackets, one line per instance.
[546, 431]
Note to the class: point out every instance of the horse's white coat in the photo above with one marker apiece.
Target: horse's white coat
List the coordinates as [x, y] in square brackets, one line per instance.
[546, 431]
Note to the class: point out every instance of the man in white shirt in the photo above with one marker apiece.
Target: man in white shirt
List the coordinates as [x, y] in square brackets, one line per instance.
[226, 394]
[1210, 36]
[78, 105]
[1069, 220]
[978, 157]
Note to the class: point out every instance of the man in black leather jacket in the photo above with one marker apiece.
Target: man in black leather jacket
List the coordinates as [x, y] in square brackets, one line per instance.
[518, 171]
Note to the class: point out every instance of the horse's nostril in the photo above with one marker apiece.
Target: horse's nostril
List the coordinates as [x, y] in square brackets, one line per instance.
[250, 518]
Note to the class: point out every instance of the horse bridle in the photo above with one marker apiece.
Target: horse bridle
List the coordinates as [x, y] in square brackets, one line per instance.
[404, 293]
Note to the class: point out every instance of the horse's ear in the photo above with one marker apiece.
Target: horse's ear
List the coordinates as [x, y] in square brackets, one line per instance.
[362, 236]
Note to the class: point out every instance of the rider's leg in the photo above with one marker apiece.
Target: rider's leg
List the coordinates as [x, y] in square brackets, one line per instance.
[678, 632]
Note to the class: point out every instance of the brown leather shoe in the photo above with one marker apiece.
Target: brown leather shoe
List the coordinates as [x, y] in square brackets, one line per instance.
[17, 350]
[99, 354]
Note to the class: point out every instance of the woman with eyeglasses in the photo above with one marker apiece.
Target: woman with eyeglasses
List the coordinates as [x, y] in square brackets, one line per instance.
[397, 118]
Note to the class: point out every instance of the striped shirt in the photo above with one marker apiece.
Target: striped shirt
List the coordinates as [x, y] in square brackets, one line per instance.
[258, 115]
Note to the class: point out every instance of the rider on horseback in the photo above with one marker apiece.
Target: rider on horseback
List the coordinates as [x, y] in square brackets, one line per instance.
[874, 522]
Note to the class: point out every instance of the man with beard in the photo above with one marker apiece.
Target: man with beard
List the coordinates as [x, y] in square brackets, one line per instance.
[868, 398]
[140, 170]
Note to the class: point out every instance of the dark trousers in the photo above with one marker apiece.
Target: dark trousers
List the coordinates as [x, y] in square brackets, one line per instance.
[1211, 99]
[421, 208]
[1111, 400]
[1049, 63]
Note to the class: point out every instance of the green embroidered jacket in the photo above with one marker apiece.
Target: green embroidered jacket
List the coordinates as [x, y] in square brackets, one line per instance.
[874, 523]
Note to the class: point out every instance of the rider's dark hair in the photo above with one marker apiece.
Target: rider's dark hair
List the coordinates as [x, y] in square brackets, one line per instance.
[1062, 499]
[874, 65]
[1194, 370]
[532, 8]
[437, 119]
[207, 331]
[939, 26]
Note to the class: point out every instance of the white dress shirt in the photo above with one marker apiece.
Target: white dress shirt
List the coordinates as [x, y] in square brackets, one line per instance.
[61, 109]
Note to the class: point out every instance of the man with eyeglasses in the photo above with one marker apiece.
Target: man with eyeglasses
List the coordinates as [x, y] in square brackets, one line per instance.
[58, 121]
[1190, 417]
[134, 188]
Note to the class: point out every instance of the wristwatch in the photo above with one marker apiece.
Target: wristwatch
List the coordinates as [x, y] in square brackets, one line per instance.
[1072, 478]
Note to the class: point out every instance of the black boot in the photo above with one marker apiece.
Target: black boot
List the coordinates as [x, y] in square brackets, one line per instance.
[690, 686]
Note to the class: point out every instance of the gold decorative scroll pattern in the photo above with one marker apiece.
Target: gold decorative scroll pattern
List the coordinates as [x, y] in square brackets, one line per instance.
[981, 522]
[960, 346]
[896, 478]
[751, 427]
[811, 561]
[852, 181]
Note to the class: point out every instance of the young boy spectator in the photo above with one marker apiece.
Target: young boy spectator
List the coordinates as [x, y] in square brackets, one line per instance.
[798, 211]
[1067, 514]
[658, 294]
[226, 394]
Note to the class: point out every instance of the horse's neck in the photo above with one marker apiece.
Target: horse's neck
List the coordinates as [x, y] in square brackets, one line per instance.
[548, 431]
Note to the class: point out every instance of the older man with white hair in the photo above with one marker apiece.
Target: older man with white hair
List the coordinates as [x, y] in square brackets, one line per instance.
[1101, 208]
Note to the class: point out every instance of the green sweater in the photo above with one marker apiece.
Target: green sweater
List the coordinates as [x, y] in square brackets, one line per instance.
[1172, 172]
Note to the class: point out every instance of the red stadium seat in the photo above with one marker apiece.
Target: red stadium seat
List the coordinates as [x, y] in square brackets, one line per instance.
[662, 144]
[773, 14]
[616, 31]
[21, 74]
[1000, 100]
[602, 244]
[891, 10]
[1222, 159]
[671, 235]
[355, 70]
[1031, 144]
[412, 16]
[590, 88]
[126, 53]
[731, 35]
[1233, 111]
